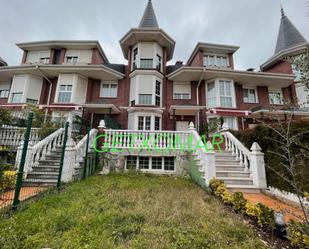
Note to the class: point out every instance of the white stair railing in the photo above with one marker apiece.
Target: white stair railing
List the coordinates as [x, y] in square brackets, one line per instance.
[233, 145]
[13, 136]
[206, 156]
[40, 150]
[253, 160]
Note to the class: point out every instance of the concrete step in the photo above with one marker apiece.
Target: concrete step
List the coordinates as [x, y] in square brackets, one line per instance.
[45, 168]
[227, 163]
[42, 175]
[236, 180]
[49, 163]
[39, 182]
[227, 157]
[229, 168]
[244, 188]
[226, 173]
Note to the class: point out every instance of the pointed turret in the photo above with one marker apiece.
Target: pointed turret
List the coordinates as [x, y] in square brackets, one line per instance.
[289, 42]
[149, 19]
[288, 36]
[148, 30]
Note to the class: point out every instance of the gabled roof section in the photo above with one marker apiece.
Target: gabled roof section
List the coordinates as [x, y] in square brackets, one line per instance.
[212, 48]
[69, 44]
[149, 19]
[288, 35]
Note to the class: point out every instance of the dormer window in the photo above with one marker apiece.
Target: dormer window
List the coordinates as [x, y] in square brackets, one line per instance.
[71, 59]
[216, 60]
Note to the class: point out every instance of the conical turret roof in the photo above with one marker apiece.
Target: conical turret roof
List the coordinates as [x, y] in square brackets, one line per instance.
[288, 36]
[149, 19]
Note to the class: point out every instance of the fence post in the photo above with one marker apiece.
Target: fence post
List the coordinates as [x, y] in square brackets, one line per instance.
[86, 153]
[65, 138]
[20, 172]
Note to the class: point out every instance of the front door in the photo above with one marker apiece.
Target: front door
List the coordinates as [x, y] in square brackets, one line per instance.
[182, 125]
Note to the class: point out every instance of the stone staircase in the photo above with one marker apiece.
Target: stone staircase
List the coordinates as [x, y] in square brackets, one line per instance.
[233, 173]
[46, 172]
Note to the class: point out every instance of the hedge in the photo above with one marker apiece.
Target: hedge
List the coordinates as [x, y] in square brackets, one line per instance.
[263, 135]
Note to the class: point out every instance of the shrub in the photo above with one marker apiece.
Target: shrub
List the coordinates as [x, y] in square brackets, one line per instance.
[7, 180]
[214, 184]
[298, 234]
[239, 202]
[265, 215]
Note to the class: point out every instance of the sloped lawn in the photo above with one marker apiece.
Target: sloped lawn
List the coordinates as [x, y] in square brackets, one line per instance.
[127, 211]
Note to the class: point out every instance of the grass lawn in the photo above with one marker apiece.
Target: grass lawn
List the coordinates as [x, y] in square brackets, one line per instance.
[127, 211]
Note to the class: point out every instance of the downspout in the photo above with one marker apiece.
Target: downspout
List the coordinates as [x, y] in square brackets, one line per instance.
[49, 91]
[197, 96]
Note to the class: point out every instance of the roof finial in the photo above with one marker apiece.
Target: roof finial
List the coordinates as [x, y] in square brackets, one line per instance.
[282, 11]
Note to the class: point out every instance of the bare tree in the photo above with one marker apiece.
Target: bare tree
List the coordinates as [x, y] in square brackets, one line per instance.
[293, 153]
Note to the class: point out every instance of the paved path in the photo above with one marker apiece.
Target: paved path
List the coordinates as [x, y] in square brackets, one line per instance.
[6, 198]
[276, 205]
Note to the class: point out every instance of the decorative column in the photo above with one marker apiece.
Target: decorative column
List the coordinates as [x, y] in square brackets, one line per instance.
[69, 161]
[209, 164]
[257, 166]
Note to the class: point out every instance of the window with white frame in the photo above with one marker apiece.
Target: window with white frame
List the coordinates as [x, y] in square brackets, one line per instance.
[216, 60]
[211, 95]
[157, 123]
[44, 60]
[158, 93]
[31, 101]
[135, 52]
[182, 90]
[145, 99]
[16, 97]
[71, 59]
[226, 98]
[159, 62]
[150, 163]
[109, 90]
[169, 163]
[231, 122]
[146, 63]
[143, 162]
[4, 93]
[131, 162]
[65, 93]
[250, 95]
[275, 97]
[144, 123]
[156, 163]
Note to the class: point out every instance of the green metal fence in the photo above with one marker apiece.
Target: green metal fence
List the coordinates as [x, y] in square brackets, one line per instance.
[35, 166]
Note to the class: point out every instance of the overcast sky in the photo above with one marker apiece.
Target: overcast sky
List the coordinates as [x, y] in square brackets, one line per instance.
[251, 24]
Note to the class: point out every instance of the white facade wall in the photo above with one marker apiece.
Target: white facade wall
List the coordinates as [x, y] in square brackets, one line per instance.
[80, 91]
[302, 95]
[27, 84]
[5, 85]
[34, 87]
[34, 56]
[79, 87]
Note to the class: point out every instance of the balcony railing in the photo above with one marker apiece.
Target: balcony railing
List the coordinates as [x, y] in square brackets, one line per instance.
[151, 140]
